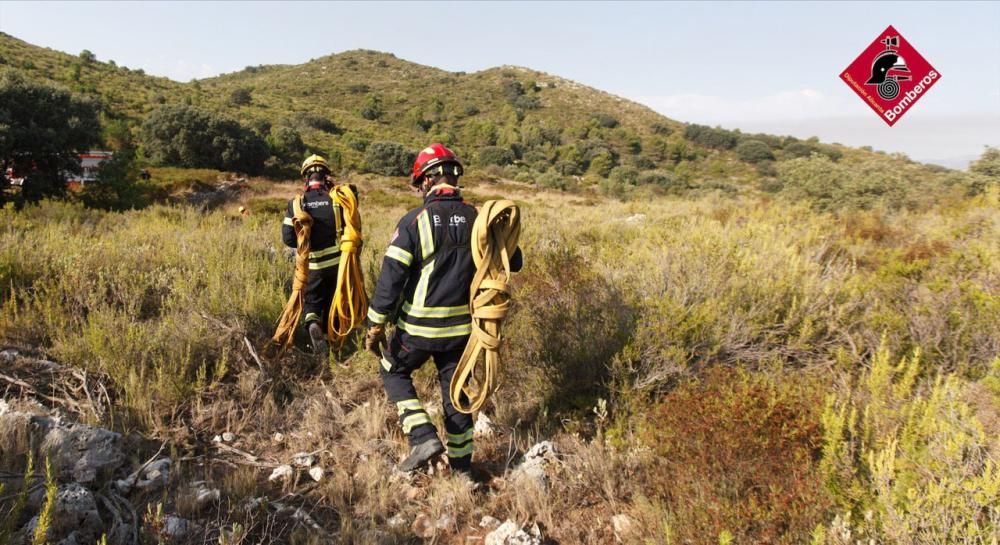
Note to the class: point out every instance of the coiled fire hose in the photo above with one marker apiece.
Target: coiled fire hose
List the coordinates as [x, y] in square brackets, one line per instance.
[494, 239]
[284, 335]
[350, 304]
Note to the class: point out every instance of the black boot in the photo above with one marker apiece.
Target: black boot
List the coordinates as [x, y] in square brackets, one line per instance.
[421, 454]
[318, 338]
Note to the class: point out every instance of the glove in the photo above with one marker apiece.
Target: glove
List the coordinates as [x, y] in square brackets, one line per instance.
[374, 339]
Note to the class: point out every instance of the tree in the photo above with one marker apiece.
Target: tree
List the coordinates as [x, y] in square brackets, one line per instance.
[717, 138]
[754, 151]
[115, 188]
[988, 163]
[87, 57]
[188, 136]
[43, 129]
[388, 159]
[286, 144]
[492, 155]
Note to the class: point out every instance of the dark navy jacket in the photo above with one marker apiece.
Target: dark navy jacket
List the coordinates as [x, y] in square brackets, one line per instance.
[327, 228]
[429, 263]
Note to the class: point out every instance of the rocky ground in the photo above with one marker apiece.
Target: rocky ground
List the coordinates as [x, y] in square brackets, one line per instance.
[128, 489]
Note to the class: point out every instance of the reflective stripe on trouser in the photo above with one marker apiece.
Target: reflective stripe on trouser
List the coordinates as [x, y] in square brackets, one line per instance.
[397, 367]
[460, 444]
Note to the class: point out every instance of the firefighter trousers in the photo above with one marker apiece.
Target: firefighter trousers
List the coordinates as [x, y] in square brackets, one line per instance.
[399, 361]
[320, 287]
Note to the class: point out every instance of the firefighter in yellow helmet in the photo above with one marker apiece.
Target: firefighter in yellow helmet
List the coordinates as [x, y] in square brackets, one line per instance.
[324, 252]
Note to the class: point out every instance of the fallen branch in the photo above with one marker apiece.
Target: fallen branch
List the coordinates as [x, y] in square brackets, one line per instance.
[30, 390]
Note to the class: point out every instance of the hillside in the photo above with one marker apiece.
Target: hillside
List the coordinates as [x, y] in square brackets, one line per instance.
[507, 122]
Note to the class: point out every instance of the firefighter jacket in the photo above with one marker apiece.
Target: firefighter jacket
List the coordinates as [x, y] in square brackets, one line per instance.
[327, 228]
[429, 263]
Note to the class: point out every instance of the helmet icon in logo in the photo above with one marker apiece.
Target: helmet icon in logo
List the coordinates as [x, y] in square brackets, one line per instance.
[888, 69]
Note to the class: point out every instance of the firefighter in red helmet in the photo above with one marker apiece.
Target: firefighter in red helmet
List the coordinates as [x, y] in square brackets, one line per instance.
[429, 263]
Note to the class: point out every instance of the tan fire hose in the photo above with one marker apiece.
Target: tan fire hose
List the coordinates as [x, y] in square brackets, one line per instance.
[284, 335]
[494, 239]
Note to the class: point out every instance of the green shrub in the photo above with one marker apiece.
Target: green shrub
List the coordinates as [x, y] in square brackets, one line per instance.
[286, 144]
[661, 179]
[754, 151]
[388, 159]
[241, 96]
[527, 102]
[605, 121]
[661, 129]
[907, 462]
[552, 180]
[829, 185]
[372, 108]
[624, 175]
[306, 120]
[116, 187]
[492, 155]
[708, 137]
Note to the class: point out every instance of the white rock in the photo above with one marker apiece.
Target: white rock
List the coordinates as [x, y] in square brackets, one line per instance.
[86, 454]
[278, 438]
[155, 475]
[175, 526]
[282, 472]
[228, 437]
[303, 459]
[489, 522]
[217, 439]
[533, 468]
[206, 496]
[510, 533]
[484, 427]
[316, 473]
[396, 521]
[447, 523]
[622, 525]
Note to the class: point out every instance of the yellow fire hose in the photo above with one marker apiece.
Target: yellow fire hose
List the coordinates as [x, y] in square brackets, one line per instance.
[350, 304]
[284, 336]
[494, 239]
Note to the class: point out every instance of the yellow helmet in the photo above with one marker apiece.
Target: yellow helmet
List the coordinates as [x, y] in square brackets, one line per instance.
[314, 162]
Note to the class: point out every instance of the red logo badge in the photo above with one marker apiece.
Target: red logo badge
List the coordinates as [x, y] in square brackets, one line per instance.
[890, 76]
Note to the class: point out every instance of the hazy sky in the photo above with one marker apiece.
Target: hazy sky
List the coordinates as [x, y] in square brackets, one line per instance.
[770, 67]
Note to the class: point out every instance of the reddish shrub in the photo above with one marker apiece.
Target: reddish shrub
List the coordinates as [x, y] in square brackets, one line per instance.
[738, 452]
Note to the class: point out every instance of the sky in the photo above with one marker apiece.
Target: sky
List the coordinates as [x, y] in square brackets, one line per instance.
[760, 67]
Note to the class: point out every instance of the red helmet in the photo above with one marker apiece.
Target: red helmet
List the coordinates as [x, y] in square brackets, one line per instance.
[432, 156]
